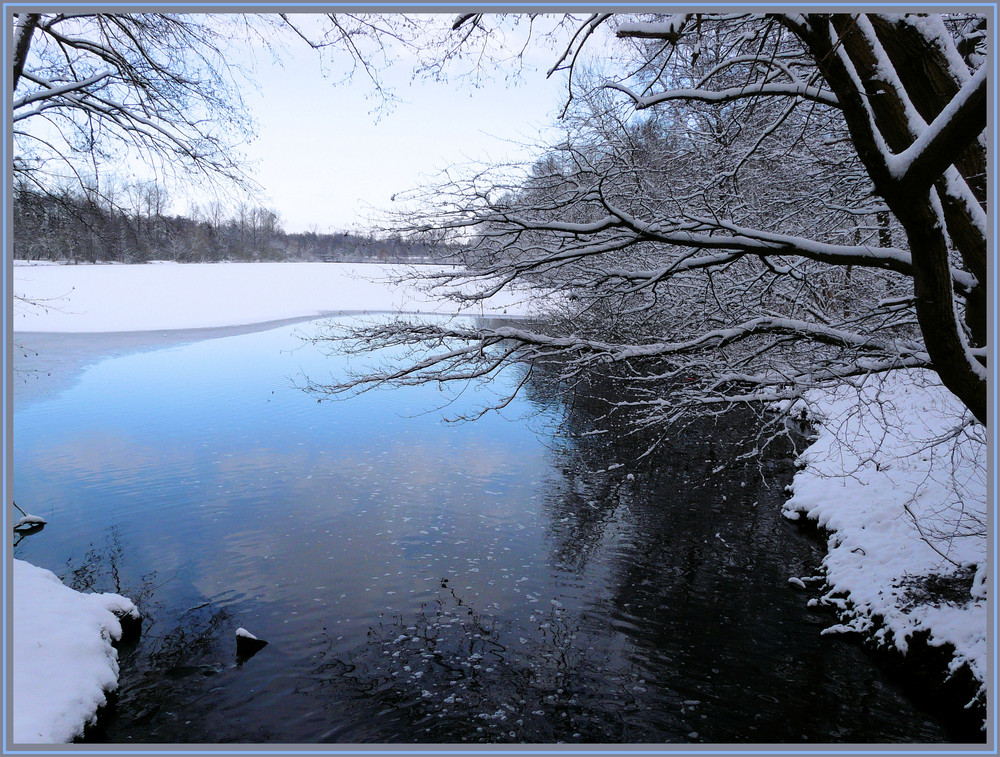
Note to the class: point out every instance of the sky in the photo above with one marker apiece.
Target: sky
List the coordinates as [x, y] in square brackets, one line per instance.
[327, 160]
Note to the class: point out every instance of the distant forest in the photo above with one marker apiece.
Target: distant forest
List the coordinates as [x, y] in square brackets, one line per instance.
[75, 227]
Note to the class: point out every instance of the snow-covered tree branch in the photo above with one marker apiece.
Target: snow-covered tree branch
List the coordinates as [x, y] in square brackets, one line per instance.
[742, 206]
[159, 88]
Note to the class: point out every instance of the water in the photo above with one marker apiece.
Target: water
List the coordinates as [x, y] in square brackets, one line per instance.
[420, 581]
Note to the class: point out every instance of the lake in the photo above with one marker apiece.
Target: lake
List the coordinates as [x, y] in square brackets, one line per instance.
[419, 580]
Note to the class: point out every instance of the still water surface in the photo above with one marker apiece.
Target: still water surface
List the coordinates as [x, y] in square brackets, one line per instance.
[421, 581]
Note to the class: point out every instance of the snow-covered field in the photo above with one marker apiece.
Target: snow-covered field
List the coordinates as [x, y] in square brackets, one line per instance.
[898, 479]
[100, 298]
[904, 503]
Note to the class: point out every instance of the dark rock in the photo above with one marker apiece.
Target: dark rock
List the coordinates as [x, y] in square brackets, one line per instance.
[131, 627]
[247, 645]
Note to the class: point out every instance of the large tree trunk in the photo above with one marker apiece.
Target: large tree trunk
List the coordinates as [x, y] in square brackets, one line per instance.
[864, 71]
[24, 29]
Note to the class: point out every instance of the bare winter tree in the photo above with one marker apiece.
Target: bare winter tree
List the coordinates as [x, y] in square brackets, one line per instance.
[744, 206]
[97, 90]
[101, 98]
[96, 96]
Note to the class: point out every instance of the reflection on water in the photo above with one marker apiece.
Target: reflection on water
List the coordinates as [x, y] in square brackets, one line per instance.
[420, 581]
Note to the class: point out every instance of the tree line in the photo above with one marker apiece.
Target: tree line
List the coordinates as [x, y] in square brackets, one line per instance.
[134, 226]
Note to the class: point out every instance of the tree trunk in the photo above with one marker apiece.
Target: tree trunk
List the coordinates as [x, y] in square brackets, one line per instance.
[23, 31]
[876, 114]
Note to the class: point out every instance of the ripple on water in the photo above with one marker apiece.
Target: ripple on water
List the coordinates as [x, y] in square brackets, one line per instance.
[423, 582]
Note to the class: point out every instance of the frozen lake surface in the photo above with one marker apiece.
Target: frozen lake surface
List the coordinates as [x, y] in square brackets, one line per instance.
[418, 580]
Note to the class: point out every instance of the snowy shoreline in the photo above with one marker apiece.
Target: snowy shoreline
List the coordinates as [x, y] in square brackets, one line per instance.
[896, 483]
[902, 505]
[63, 658]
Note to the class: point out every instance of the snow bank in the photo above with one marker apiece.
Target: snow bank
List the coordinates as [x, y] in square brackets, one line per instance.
[63, 661]
[102, 298]
[898, 479]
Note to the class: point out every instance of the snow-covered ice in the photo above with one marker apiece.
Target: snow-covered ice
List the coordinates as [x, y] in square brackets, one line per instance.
[106, 298]
[897, 477]
[63, 661]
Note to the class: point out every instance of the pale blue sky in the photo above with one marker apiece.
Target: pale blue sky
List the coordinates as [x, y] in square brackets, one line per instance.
[325, 159]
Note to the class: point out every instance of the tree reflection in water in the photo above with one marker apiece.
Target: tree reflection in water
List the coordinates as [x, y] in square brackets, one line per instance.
[674, 620]
[603, 591]
[453, 674]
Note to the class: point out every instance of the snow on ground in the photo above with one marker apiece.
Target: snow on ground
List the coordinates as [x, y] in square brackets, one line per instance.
[102, 298]
[898, 479]
[63, 661]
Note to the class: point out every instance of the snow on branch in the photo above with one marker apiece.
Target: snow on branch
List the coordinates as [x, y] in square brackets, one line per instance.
[451, 352]
[961, 121]
[730, 94]
[746, 231]
[50, 90]
[669, 29]
[579, 242]
[157, 86]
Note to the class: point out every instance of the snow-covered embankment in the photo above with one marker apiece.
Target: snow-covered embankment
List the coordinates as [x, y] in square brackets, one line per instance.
[897, 480]
[63, 660]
